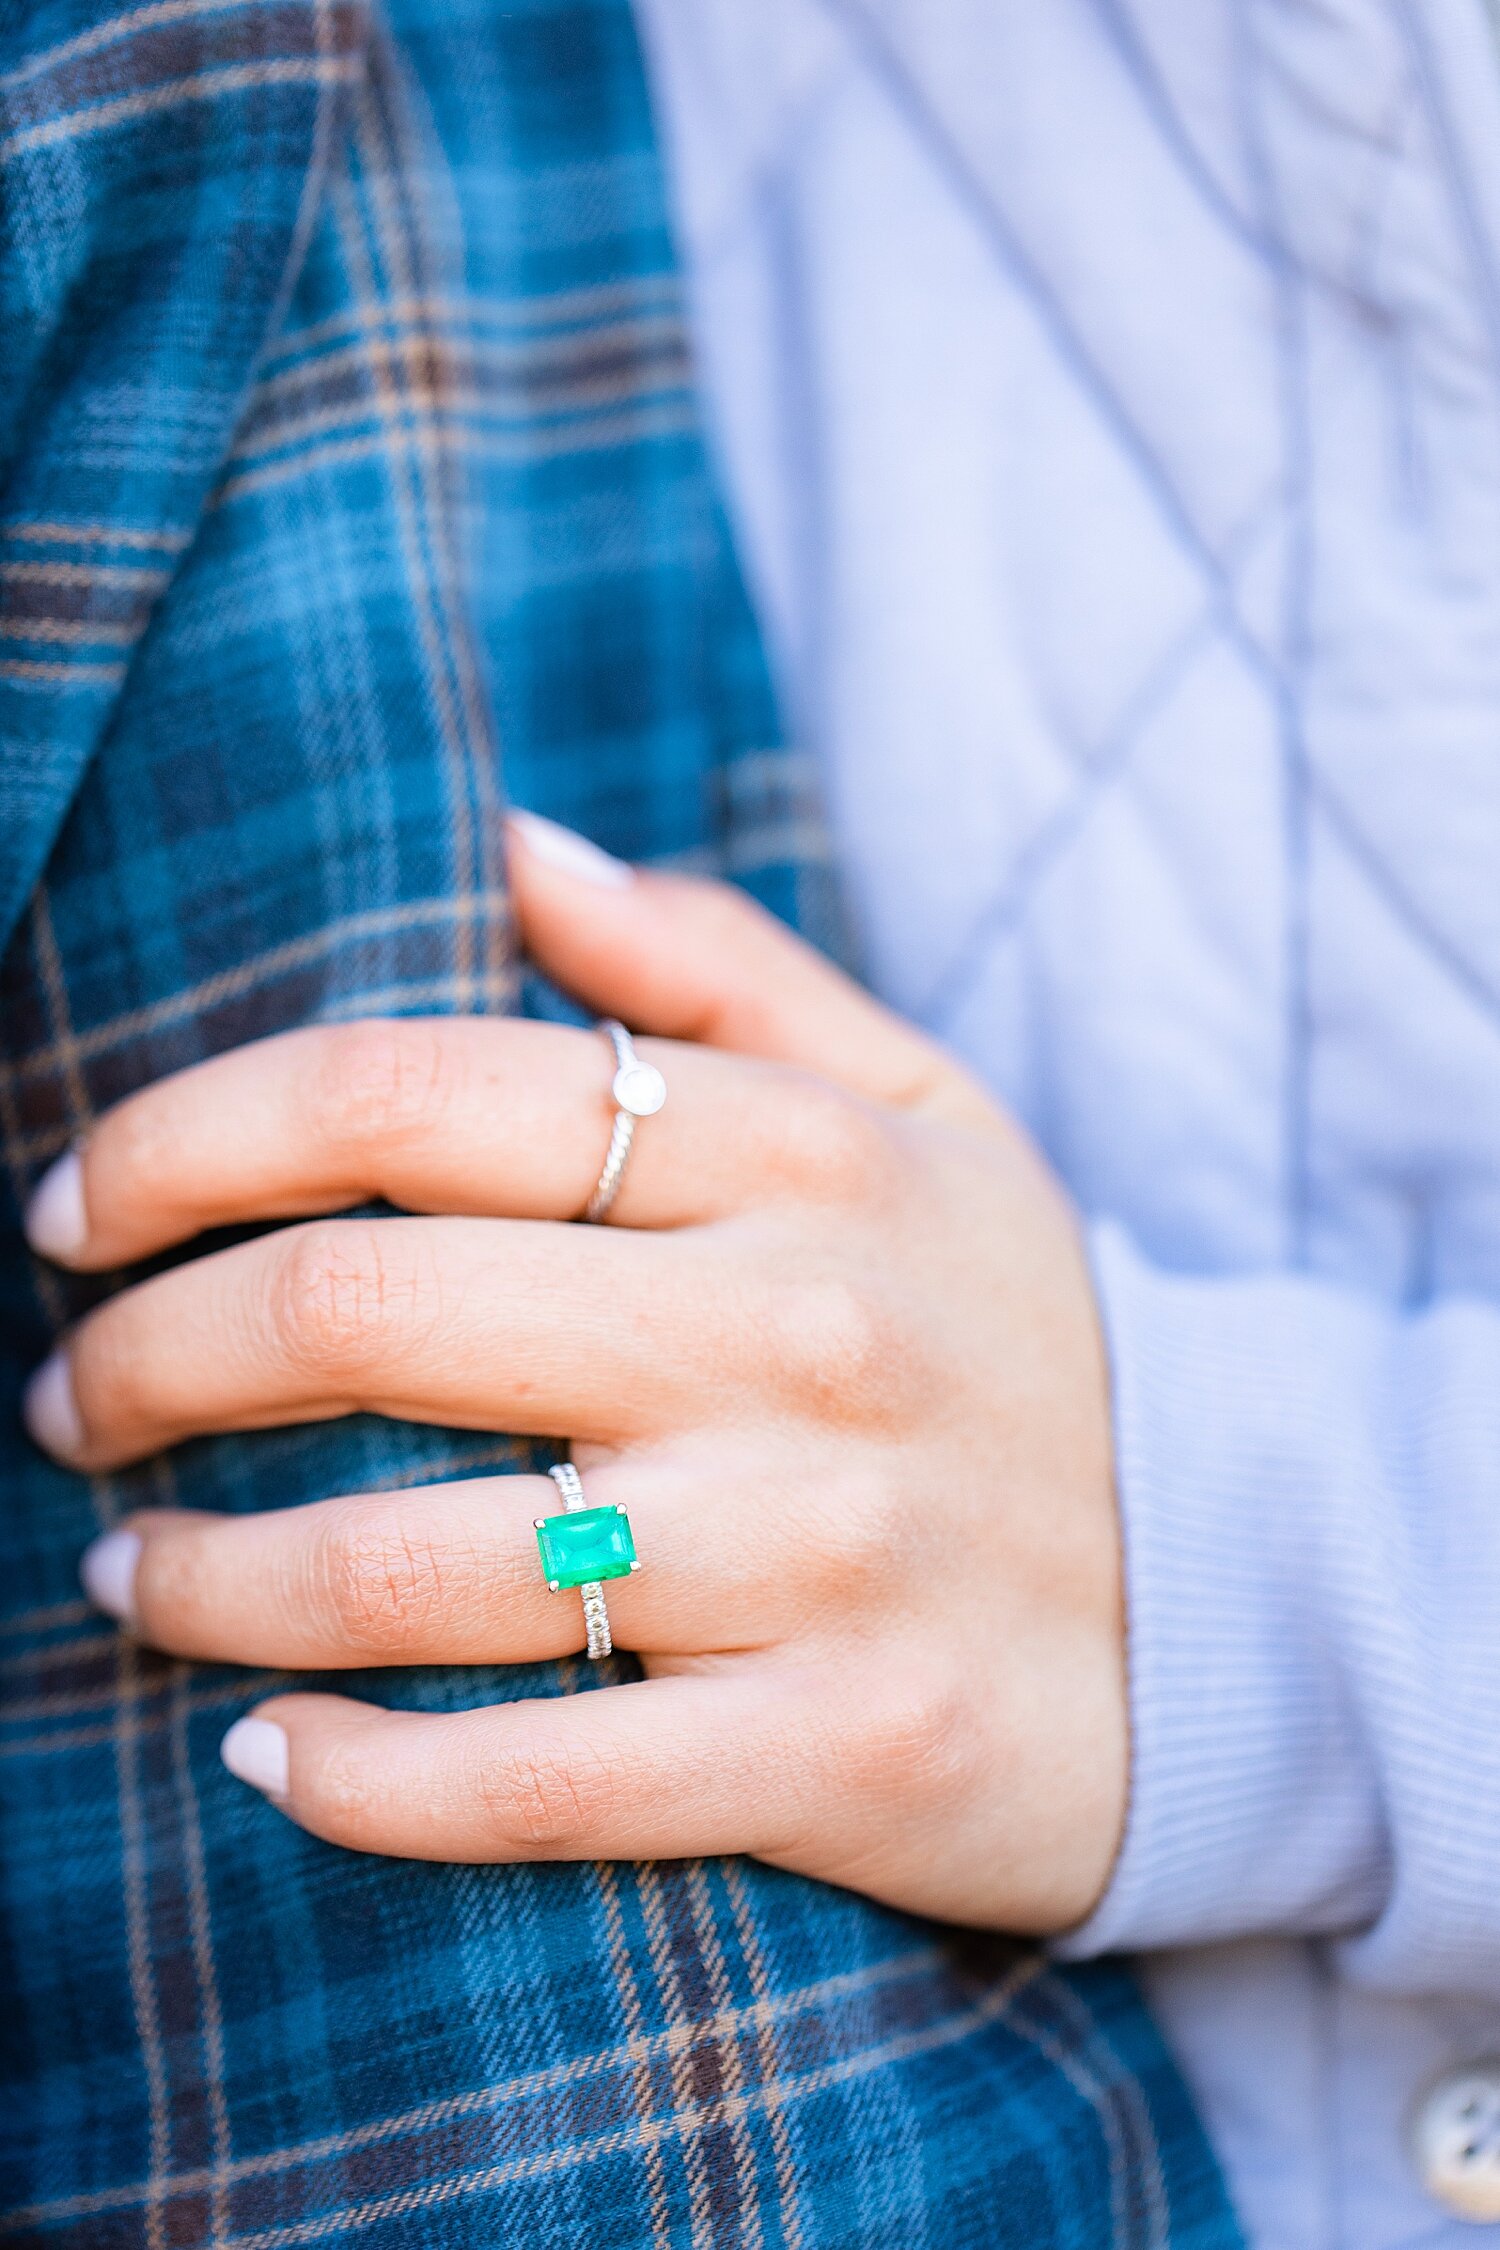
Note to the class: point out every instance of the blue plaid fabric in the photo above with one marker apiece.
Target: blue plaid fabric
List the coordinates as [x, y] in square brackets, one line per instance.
[346, 445]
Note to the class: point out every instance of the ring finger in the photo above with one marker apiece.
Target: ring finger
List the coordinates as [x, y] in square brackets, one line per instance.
[445, 1574]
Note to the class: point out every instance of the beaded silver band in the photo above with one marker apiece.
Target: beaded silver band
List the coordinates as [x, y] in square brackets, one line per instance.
[595, 1615]
[639, 1090]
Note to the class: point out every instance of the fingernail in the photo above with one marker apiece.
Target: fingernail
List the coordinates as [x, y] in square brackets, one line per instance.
[56, 1222]
[257, 1751]
[572, 854]
[50, 1411]
[108, 1572]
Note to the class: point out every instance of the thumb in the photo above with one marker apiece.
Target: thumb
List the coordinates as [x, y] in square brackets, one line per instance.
[695, 960]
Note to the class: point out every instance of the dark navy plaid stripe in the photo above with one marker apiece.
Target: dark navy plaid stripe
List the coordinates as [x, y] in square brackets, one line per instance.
[348, 450]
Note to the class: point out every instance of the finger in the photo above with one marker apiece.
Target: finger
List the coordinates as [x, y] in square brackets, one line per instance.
[433, 1114]
[446, 1574]
[475, 1323]
[672, 1767]
[701, 961]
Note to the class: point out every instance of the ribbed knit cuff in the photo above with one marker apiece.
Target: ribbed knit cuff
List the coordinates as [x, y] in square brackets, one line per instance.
[1252, 1802]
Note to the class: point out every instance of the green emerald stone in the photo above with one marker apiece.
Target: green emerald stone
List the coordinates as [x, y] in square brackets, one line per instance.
[592, 1543]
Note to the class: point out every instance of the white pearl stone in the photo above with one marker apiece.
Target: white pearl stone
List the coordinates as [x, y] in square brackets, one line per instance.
[639, 1088]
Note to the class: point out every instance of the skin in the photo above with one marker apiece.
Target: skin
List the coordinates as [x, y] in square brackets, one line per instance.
[840, 1305]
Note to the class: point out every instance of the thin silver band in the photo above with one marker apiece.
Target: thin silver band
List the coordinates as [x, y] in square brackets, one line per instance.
[639, 1091]
[595, 1615]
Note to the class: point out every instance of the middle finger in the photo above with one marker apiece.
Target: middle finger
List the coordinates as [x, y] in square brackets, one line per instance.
[471, 1323]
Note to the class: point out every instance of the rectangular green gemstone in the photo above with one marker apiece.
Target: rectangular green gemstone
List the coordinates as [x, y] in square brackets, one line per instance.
[592, 1543]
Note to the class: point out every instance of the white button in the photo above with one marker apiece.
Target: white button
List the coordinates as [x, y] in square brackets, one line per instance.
[1456, 2140]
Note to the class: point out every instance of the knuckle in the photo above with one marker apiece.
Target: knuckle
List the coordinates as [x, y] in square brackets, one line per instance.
[346, 1794]
[385, 1586]
[140, 1144]
[336, 1289]
[922, 1737]
[115, 1370]
[174, 1583]
[840, 1349]
[857, 1538]
[834, 1147]
[547, 1800]
[379, 1081]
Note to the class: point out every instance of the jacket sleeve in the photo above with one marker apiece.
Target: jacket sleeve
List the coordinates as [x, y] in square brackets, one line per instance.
[1310, 1489]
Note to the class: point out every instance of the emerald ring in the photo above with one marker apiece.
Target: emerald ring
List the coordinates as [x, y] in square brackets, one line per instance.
[582, 1547]
[639, 1090]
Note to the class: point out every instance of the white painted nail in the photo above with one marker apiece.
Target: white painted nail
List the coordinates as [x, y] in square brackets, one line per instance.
[57, 1225]
[572, 854]
[108, 1572]
[50, 1410]
[257, 1751]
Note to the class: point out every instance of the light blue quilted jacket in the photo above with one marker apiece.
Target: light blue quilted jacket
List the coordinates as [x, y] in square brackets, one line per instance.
[1111, 389]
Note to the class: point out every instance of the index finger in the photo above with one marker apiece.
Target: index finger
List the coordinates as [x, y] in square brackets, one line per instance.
[467, 1116]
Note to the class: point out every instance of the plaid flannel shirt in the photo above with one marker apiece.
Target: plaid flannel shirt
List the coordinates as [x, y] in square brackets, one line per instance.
[346, 435]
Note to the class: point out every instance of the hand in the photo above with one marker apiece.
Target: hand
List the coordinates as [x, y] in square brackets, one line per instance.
[837, 1352]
